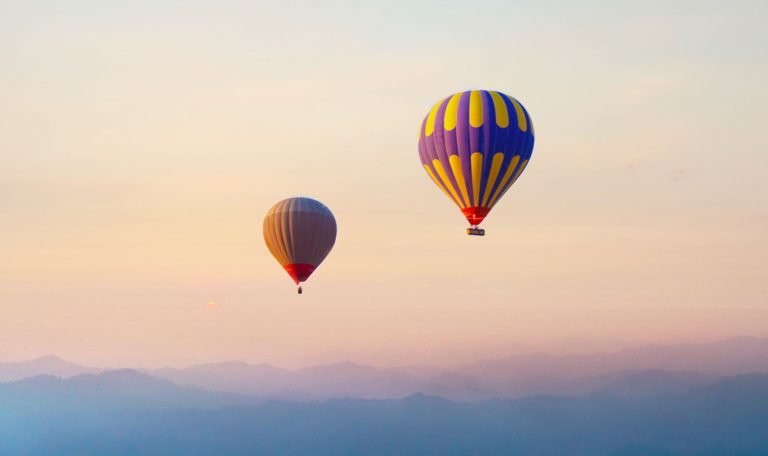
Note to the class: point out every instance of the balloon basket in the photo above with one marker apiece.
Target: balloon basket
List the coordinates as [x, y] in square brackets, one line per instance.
[474, 230]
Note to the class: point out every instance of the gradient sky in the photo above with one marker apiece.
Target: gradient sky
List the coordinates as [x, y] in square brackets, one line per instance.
[142, 142]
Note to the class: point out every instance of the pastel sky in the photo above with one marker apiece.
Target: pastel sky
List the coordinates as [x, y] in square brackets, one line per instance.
[142, 143]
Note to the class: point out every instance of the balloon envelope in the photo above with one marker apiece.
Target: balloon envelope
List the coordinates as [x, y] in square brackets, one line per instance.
[474, 145]
[299, 232]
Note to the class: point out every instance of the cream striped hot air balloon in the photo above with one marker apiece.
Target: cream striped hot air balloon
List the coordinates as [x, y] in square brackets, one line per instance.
[299, 232]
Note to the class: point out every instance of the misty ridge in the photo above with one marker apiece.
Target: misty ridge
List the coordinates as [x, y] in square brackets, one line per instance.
[652, 400]
[726, 417]
[510, 377]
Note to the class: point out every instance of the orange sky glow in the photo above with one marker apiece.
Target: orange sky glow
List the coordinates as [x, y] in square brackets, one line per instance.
[142, 145]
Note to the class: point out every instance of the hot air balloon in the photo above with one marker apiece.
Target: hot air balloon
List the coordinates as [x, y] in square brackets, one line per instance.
[299, 232]
[474, 145]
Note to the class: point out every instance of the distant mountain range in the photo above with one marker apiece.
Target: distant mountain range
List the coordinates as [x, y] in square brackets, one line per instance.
[524, 375]
[128, 413]
[113, 390]
[319, 382]
[46, 365]
[511, 377]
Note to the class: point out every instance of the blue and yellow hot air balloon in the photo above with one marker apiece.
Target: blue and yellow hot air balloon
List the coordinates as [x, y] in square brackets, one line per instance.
[474, 145]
